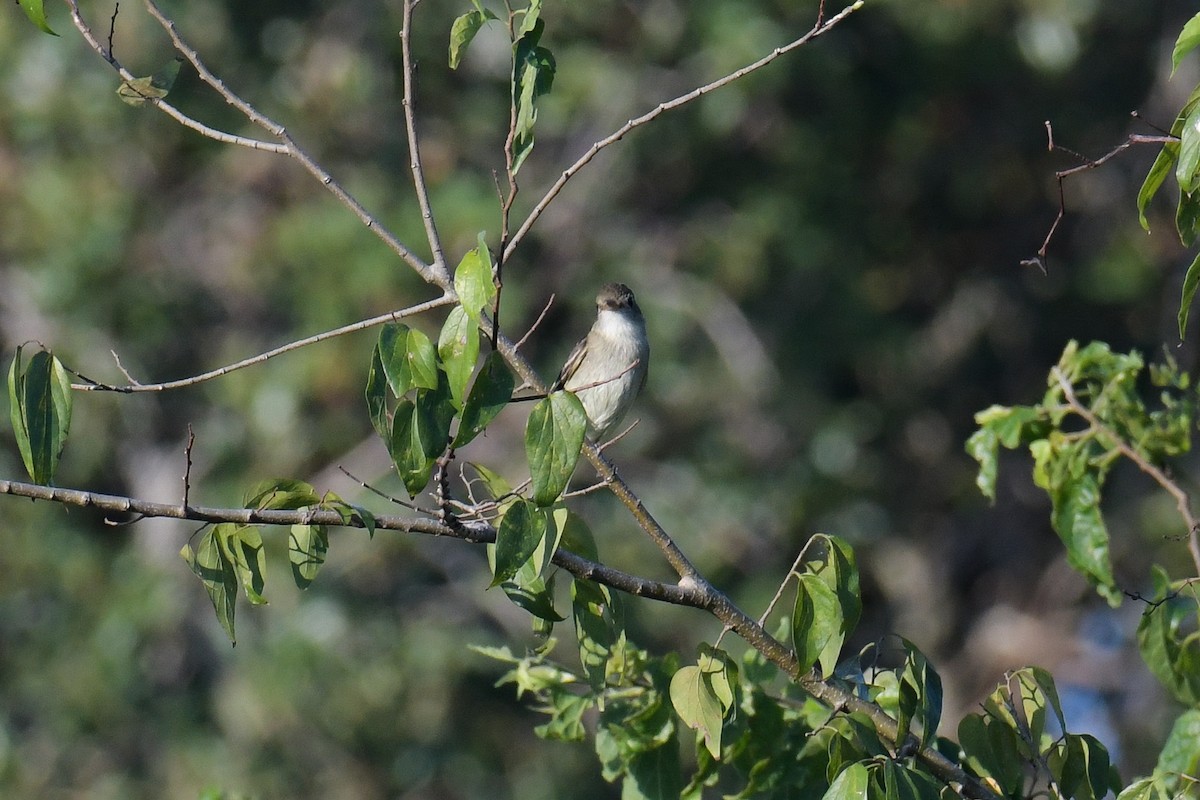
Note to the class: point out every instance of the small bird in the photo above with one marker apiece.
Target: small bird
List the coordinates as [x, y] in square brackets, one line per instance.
[608, 367]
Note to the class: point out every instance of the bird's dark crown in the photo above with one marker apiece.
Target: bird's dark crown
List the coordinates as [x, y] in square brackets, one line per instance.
[614, 296]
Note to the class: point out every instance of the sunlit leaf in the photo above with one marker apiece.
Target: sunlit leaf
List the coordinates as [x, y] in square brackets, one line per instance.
[285, 493]
[533, 75]
[458, 346]
[307, 546]
[408, 450]
[463, 31]
[242, 545]
[219, 576]
[1189, 152]
[408, 358]
[489, 395]
[697, 705]
[37, 14]
[140, 90]
[850, 784]
[473, 280]
[596, 628]
[553, 438]
[1168, 638]
[1188, 39]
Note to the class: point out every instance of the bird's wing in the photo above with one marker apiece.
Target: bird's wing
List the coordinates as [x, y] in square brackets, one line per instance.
[572, 364]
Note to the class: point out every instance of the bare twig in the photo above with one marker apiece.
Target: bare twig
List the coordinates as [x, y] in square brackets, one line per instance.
[619, 436]
[818, 29]
[112, 28]
[133, 386]
[1039, 260]
[187, 470]
[384, 495]
[414, 148]
[536, 323]
[1182, 501]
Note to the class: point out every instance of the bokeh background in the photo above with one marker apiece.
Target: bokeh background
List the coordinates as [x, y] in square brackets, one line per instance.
[828, 252]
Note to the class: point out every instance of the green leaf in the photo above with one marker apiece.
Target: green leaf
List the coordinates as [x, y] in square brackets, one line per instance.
[532, 14]
[242, 545]
[1188, 39]
[37, 15]
[992, 751]
[463, 31]
[307, 546]
[817, 618]
[284, 494]
[553, 438]
[1181, 753]
[349, 512]
[139, 91]
[376, 395]
[408, 359]
[413, 464]
[40, 408]
[696, 704]
[219, 576]
[1168, 638]
[1190, 282]
[495, 483]
[521, 530]
[596, 628]
[533, 75]
[1077, 519]
[433, 414]
[1158, 173]
[533, 593]
[850, 784]
[1187, 217]
[489, 395]
[654, 774]
[473, 280]
[920, 692]
[458, 347]
[1189, 152]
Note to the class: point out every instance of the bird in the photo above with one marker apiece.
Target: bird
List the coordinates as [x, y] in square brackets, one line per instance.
[608, 368]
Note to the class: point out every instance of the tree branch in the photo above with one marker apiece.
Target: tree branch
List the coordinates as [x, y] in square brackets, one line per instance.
[1183, 501]
[96, 386]
[819, 28]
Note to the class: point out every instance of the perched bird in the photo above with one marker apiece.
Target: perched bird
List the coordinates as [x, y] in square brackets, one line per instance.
[608, 367]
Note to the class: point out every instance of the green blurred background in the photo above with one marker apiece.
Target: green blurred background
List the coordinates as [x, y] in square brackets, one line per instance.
[828, 253]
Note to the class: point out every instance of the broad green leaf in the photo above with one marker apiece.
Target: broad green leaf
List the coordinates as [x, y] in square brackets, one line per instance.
[1158, 173]
[850, 784]
[566, 724]
[816, 620]
[349, 512]
[219, 576]
[489, 395]
[40, 407]
[473, 280]
[920, 692]
[242, 545]
[408, 358]
[1188, 39]
[307, 546]
[1168, 638]
[697, 705]
[1187, 217]
[721, 672]
[553, 437]
[140, 90]
[413, 464]
[376, 395]
[37, 14]
[532, 13]
[284, 493]
[654, 774]
[1190, 282]
[833, 563]
[530, 591]
[1077, 519]
[991, 750]
[533, 75]
[596, 628]
[521, 530]
[463, 31]
[458, 347]
[577, 536]
[1181, 753]
[1189, 152]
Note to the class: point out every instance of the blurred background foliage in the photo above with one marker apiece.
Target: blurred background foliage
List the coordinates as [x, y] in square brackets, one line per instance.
[828, 253]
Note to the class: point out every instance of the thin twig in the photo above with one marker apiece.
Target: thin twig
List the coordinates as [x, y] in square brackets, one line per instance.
[96, 386]
[818, 29]
[1039, 260]
[112, 28]
[414, 148]
[187, 470]
[1182, 501]
[536, 323]
[384, 495]
[619, 436]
